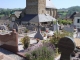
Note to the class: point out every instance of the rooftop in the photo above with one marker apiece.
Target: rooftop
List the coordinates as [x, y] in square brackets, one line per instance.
[77, 15]
[17, 13]
[49, 4]
[38, 18]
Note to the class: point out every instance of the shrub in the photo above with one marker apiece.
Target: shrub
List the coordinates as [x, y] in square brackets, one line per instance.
[57, 36]
[26, 30]
[25, 41]
[65, 22]
[42, 53]
[44, 34]
[54, 22]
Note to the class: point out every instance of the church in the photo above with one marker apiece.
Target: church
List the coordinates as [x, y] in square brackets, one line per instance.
[36, 11]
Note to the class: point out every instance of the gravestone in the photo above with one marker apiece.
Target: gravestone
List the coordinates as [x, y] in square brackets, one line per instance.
[43, 29]
[66, 45]
[78, 33]
[68, 29]
[56, 27]
[3, 27]
[11, 25]
[15, 26]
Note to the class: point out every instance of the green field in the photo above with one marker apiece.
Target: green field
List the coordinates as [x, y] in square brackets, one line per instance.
[1, 15]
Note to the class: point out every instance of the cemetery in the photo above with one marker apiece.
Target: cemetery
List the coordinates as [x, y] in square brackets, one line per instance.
[36, 34]
[25, 41]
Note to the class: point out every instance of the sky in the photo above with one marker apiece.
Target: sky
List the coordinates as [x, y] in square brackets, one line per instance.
[22, 3]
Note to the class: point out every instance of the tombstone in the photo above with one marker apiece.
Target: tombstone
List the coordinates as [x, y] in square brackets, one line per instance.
[78, 33]
[15, 26]
[68, 29]
[11, 26]
[56, 27]
[66, 45]
[43, 29]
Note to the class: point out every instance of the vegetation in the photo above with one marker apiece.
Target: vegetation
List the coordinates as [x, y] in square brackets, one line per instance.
[57, 36]
[7, 12]
[25, 41]
[65, 22]
[66, 12]
[42, 53]
[26, 30]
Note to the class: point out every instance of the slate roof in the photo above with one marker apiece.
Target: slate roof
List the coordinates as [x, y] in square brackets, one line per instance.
[17, 13]
[72, 16]
[77, 15]
[49, 4]
[38, 18]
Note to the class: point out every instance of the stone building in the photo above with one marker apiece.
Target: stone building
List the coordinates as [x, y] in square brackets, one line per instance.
[40, 7]
[38, 11]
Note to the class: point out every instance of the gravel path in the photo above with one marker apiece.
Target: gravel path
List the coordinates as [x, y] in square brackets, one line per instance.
[10, 54]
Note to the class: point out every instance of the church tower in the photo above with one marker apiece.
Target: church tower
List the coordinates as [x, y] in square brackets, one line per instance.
[35, 6]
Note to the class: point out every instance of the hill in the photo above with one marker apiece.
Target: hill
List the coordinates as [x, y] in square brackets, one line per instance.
[64, 12]
[68, 11]
[7, 12]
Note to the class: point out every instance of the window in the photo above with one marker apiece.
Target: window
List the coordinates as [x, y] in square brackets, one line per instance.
[78, 20]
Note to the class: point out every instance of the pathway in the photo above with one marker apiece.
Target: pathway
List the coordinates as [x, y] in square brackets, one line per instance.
[10, 54]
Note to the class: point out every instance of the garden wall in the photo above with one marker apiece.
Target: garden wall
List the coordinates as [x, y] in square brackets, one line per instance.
[9, 41]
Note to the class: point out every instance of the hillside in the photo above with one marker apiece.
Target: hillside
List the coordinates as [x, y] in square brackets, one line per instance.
[7, 12]
[64, 12]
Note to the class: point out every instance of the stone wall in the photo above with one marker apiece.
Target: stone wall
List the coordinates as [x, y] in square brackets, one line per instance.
[10, 41]
[35, 6]
[51, 12]
[41, 6]
[55, 13]
[32, 6]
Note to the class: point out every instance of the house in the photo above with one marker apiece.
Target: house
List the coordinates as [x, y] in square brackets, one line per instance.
[15, 15]
[38, 11]
[77, 20]
[72, 16]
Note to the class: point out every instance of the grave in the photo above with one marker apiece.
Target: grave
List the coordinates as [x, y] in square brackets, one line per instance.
[56, 27]
[68, 29]
[9, 41]
[13, 25]
[66, 46]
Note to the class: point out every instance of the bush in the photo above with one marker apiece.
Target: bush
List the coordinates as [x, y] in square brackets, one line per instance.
[65, 22]
[25, 41]
[44, 34]
[26, 30]
[57, 36]
[42, 53]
